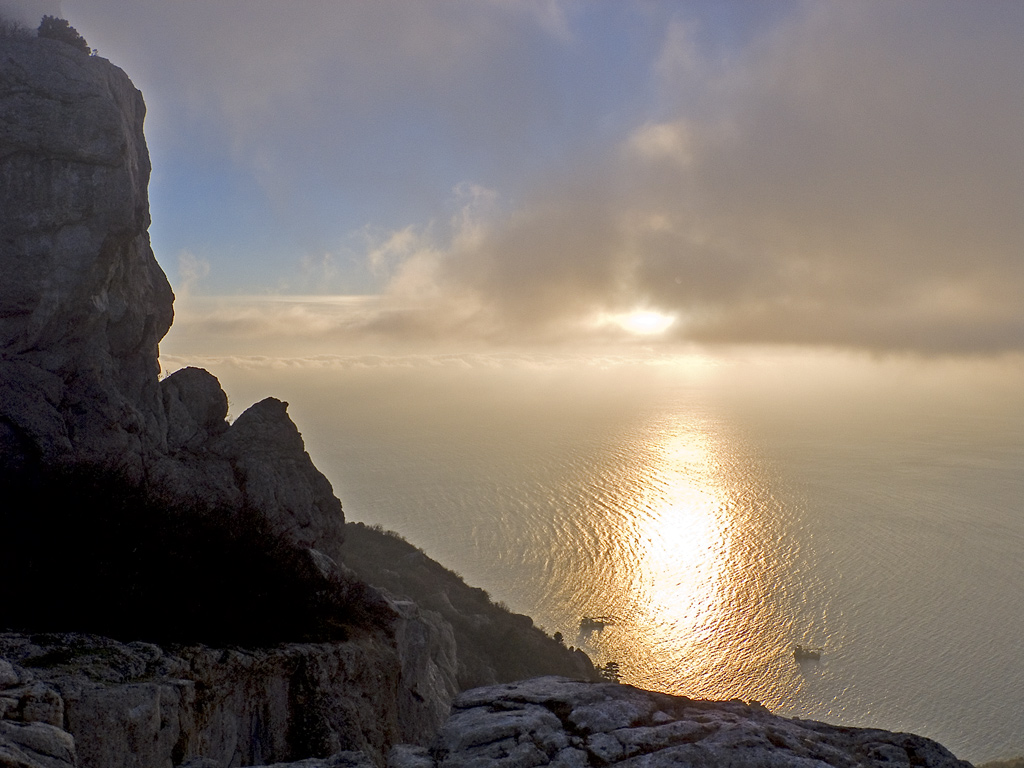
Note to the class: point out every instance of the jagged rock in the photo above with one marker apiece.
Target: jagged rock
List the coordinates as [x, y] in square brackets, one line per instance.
[277, 476]
[83, 302]
[427, 655]
[559, 722]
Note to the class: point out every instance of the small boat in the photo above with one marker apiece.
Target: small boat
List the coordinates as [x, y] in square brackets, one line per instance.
[806, 654]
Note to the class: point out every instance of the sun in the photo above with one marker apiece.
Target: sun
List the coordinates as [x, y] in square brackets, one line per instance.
[646, 322]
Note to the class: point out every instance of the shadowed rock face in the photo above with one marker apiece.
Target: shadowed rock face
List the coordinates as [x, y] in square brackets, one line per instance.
[83, 302]
[83, 306]
[68, 700]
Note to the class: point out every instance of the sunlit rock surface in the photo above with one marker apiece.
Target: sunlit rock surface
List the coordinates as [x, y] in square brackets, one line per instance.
[559, 722]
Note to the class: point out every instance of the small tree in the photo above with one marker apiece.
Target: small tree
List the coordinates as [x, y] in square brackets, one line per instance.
[60, 29]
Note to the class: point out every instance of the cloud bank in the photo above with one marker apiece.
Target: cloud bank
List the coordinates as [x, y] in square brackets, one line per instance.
[852, 180]
[840, 174]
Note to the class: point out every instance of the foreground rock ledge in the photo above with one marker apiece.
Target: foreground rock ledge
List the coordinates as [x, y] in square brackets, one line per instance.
[135, 707]
[559, 722]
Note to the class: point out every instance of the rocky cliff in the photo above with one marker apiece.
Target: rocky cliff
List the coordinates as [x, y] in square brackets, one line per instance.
[130, 503]
[84, 304]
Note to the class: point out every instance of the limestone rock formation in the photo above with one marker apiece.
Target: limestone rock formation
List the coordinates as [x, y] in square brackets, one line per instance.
[84, 304]
[135, 704]
[559, 722]
[259, 461]
[113, 705]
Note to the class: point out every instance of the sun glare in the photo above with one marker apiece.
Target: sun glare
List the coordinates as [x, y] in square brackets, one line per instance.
[645, 322]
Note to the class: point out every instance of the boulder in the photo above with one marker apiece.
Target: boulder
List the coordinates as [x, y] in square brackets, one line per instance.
[196, 408]
[35, 745]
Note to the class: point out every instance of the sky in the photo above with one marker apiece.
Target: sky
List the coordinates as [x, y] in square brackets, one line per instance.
[452, 174]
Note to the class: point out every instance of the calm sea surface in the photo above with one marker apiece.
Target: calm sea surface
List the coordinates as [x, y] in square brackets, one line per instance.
[716, 514]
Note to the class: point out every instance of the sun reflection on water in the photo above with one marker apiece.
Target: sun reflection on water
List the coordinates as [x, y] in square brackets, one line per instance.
[682, 538]
[696, 571]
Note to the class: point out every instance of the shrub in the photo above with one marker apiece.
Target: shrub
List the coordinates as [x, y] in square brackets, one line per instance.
[59, 29]
[85, 550]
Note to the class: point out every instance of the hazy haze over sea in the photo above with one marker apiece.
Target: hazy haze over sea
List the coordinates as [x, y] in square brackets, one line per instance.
[719, 509]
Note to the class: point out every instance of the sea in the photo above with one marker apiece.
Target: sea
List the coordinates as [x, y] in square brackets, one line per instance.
[709, 513]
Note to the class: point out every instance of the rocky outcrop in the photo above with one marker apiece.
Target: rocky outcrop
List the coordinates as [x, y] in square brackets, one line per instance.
[558, 722]
[84, 305]
[110, 704]
[258, 461]
[83, 302]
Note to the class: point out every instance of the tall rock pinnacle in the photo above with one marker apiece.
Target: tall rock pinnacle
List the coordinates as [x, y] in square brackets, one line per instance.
[83, 303]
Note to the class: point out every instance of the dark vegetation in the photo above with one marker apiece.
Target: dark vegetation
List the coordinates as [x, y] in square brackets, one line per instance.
[54, 28]
[85, 550]
[494, 644]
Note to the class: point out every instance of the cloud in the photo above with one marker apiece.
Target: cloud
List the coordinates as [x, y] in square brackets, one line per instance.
[286, 86]
[192, 270]
[853, 179]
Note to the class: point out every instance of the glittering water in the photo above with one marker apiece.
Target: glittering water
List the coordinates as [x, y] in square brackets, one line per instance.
[713, 523]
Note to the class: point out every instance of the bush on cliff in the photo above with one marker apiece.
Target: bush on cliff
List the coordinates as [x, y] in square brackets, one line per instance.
[85, 550]
[59, 29]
